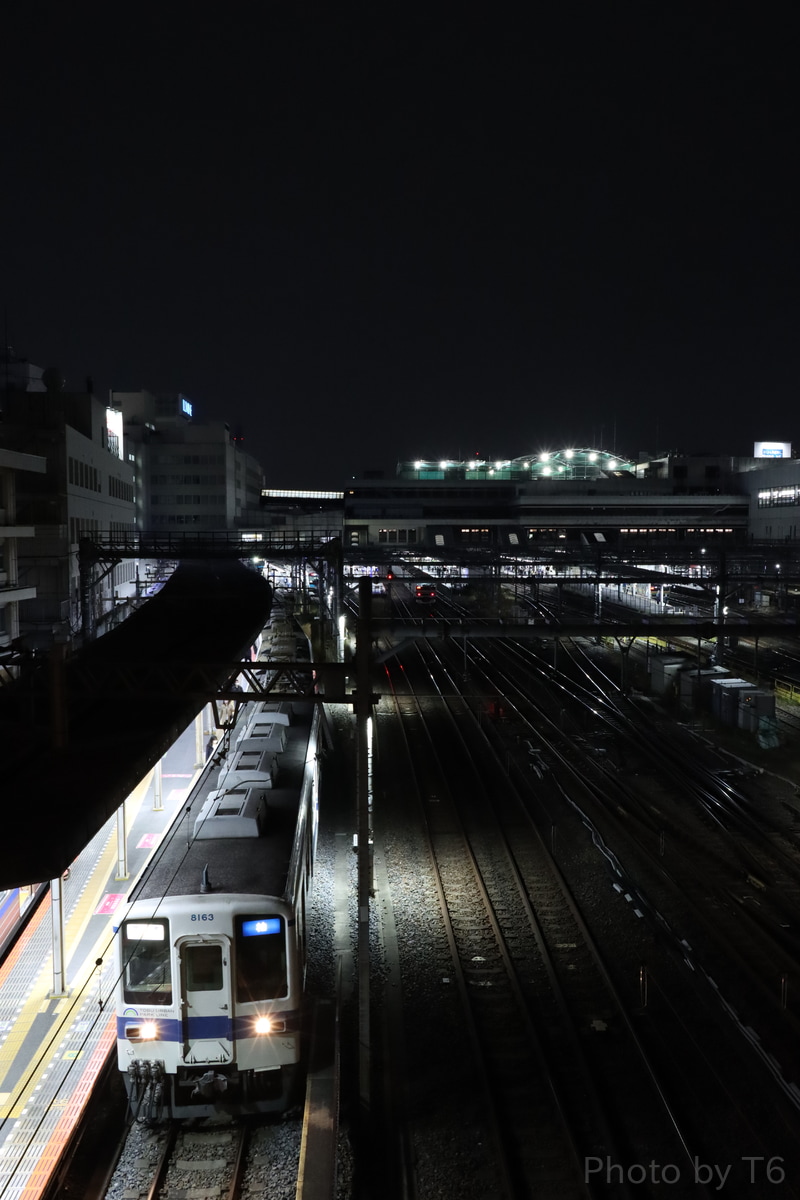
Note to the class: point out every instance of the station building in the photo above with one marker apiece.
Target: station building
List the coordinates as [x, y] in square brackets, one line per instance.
[585, 495]
[775, 504]
[582, 494]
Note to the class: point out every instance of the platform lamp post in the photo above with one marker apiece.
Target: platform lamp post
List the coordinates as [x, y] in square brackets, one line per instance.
[58, 737]
[158, 788]
[198, 739]
[60, 987]
[122, 842]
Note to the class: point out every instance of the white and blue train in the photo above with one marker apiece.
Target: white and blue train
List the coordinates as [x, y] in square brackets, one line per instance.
[211, 947]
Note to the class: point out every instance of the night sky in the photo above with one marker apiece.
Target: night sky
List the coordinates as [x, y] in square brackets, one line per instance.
[367, 233]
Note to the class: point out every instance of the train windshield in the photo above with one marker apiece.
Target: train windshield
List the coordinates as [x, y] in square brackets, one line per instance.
[260, 957]
[147, 973]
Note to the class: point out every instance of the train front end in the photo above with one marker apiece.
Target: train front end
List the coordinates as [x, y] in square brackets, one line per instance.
[209, 1006]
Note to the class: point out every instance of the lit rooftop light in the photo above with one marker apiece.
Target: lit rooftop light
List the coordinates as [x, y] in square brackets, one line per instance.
[544, 456]
[418, 465]
[443, 465]
[612, 465]
[547, 470]
[525, 466]
[498, 465]
[569, 454]
[593, 457]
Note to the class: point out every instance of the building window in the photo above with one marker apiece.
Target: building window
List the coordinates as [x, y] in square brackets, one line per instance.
[778, 497]
[475, 537]
[397, 536]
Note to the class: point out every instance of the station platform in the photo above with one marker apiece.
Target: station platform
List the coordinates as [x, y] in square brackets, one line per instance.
[53, 1046]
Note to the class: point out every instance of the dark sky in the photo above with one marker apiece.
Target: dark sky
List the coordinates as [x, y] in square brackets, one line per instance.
[391, 231]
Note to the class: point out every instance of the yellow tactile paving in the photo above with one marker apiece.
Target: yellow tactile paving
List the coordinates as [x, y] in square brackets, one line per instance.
[38, 1000]
[8, 969]
[40, 1055]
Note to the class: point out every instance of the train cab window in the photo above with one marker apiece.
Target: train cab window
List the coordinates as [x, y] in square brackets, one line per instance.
[203, 968]
[147, 972]
[260, 958]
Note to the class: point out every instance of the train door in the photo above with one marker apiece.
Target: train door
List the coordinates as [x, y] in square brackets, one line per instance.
[206, 990]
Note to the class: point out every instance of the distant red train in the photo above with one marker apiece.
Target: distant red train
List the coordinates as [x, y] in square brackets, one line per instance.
[426, 593]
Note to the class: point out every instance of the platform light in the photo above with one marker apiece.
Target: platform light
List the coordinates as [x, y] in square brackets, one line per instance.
[418, 465]
[569, 454]
[547, 470]
[443, 465]
[544, 456]
[593, 457]
[612, 465]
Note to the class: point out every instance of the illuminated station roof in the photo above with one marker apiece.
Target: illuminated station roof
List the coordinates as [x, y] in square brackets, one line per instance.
[548, 464]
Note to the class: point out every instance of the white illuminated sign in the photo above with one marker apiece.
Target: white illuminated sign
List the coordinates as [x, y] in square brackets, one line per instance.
[772, 450]
[114, 427]
[186, 406]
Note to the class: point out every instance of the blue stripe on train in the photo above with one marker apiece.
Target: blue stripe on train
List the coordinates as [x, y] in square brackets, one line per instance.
[170, 1029]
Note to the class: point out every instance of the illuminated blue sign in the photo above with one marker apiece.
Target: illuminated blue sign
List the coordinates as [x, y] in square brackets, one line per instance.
[260, 926]
[186, 406]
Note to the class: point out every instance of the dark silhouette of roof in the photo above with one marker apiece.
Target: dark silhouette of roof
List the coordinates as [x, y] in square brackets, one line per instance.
[80, 734]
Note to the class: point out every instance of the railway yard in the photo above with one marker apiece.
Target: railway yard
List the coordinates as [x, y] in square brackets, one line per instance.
[584, 951]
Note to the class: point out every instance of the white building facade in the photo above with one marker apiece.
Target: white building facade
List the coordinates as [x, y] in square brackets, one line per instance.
[13, 589]
[190, 475]
[86, 490]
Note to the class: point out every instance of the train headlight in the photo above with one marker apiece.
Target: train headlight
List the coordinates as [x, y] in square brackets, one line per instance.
[263, 1025]
[145, 1031]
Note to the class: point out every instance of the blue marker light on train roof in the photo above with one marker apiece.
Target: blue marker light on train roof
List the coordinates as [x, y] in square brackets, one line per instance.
[260, 926]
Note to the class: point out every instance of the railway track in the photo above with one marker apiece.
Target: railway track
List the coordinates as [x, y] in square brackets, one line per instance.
[190, 1158]
[735, 944]
[535, 993]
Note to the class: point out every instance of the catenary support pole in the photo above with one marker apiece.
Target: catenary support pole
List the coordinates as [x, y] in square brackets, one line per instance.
[363, 712]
